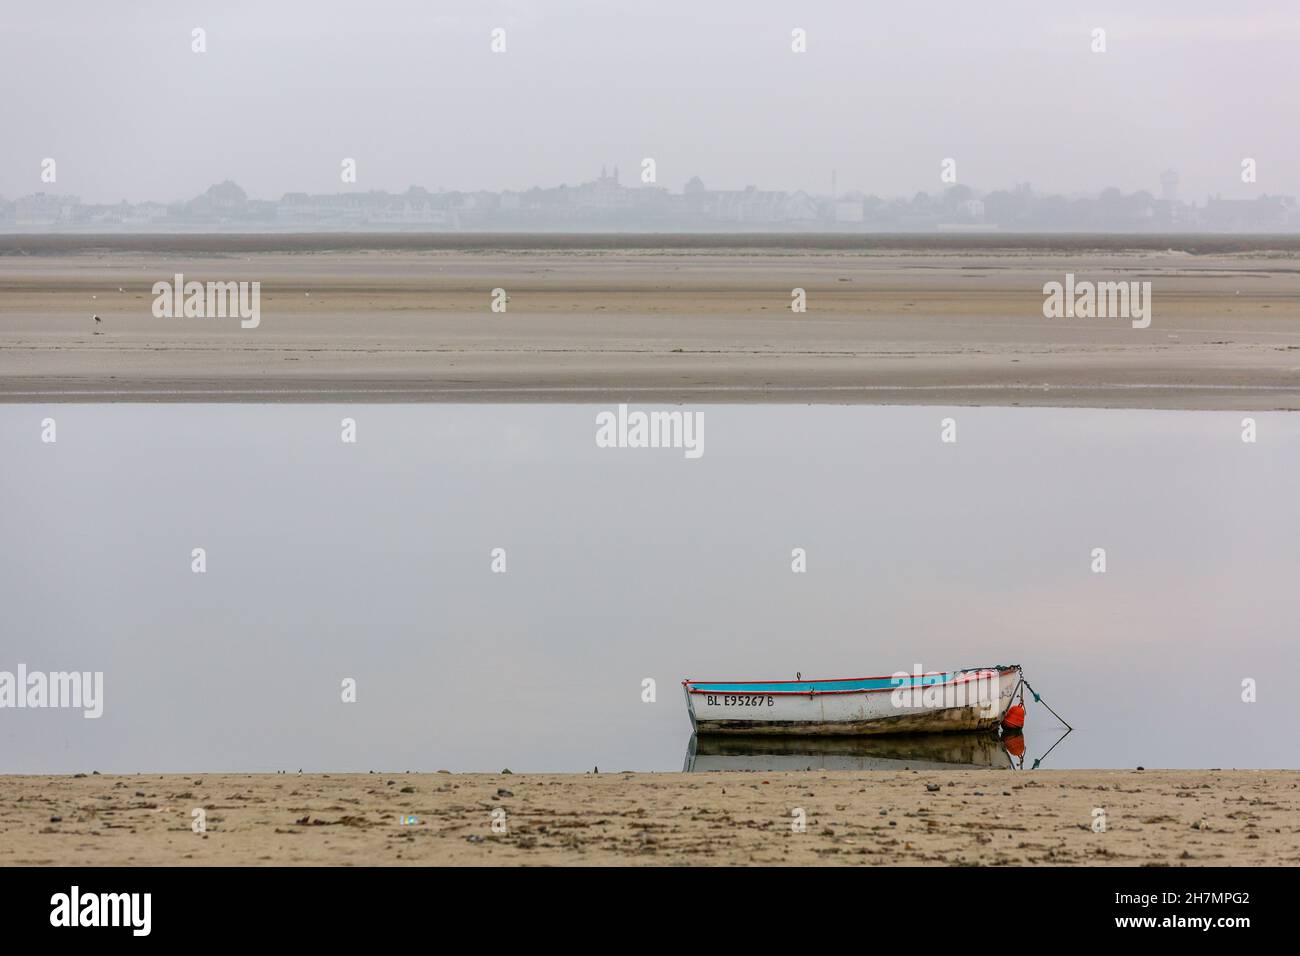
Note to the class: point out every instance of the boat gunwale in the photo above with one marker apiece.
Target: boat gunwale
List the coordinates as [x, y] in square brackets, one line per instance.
[963, 676]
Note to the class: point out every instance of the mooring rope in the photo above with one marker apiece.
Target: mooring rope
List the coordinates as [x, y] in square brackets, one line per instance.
[1049, 749]
[1039, 699]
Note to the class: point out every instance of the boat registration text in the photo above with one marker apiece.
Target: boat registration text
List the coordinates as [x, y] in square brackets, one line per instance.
[739, 700]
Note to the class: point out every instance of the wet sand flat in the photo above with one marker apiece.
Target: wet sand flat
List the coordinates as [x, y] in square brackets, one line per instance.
[971, 817]
[954, 324]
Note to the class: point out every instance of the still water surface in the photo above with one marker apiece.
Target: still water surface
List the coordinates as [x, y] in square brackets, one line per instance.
[373, 561]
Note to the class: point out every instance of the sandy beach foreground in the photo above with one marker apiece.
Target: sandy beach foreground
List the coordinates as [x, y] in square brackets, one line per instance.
[960, 817]
[604, 319]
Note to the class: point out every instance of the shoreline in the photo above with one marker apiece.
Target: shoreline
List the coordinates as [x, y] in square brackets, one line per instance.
[970, 817]
[612, 324]
[37, 243]
[1120, 396]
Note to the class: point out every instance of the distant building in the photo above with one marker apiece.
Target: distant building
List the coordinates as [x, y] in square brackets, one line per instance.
[1169, 186]
[604, 203]
[605, 193]
[144, 212]
[42, 209]
[1265, 214]
[848, 210]
[224, 197]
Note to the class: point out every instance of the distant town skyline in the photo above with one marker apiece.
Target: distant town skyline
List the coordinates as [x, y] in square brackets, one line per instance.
[605, 203]
[1165, 184]
[281, 93]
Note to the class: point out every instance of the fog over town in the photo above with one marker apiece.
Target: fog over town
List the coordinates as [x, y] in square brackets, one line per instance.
[607, 203]
[755, 115]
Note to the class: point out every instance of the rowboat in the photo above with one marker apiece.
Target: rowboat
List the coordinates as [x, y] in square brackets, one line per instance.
[933, 702]
[770, 753]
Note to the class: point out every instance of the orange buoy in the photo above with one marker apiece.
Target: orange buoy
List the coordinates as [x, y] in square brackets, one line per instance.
[1015, 717]
[1015, 743]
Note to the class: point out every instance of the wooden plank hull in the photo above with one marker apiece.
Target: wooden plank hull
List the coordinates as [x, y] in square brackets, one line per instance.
[937, 703]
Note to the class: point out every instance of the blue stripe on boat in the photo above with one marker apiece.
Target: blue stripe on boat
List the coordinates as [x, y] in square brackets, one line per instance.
[808, 686]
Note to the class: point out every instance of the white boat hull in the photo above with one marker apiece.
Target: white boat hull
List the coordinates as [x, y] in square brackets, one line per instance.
[733, 710]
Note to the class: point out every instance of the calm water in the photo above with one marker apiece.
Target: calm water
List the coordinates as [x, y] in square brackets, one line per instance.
[373, 561]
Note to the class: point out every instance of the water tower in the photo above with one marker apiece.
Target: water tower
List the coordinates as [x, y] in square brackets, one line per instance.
[1169, 186]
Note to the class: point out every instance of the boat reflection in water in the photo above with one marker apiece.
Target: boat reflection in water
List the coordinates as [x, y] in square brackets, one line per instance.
[914, 752]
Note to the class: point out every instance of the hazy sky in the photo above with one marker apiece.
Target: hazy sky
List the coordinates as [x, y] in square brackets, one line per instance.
[410, 89]
[372, 560]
